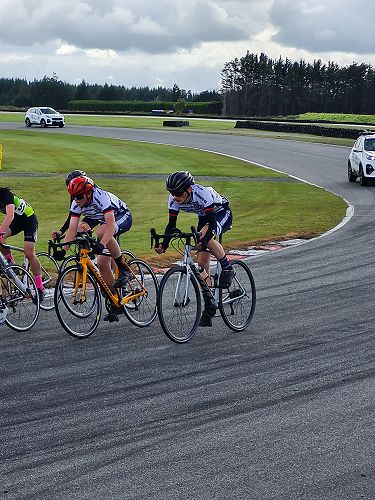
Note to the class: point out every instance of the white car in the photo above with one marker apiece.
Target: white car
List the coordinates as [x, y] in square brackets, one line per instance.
[45, 117]
[361, 161]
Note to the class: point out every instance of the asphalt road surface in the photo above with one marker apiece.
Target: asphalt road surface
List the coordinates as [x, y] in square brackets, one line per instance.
[284, 410]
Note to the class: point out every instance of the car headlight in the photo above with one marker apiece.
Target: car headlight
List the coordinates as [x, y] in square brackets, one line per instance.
[370, 157]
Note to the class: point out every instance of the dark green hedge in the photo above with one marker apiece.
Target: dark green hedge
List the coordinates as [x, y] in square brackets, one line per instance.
[346, 133]
[213, 107]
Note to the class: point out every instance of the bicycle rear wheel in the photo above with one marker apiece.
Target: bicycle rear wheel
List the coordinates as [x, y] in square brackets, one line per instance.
[179, 304]
[141, 311]
[79, 315]
[237, 303]
[50, 271]
[67, 262]
[20, 295]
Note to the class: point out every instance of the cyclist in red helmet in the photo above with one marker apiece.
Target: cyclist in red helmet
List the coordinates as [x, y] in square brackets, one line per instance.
[86, 223]
[113, 217]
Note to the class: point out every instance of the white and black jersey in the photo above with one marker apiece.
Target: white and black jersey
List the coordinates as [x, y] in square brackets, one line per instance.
[211, 207]
[101, 203]
[202, 199]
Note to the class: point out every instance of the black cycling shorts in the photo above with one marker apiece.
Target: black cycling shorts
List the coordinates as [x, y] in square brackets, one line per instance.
[90, 222]
[124, 222]
[29, 226]
[224, 221]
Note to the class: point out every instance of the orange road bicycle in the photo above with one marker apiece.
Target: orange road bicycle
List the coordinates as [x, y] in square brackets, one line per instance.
[73, 258]
[79, 290]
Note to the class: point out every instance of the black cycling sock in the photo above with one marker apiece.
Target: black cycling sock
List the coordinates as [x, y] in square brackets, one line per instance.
[120, 262]
[224, 262]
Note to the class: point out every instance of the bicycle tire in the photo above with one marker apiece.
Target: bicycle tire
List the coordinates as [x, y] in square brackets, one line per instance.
[72, 260]
[179, 305]
[237, 303]
[20, 295]
[50, 271]
[142, 310]
[80, 320]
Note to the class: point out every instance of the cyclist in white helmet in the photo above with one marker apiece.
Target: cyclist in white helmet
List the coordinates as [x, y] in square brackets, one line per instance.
[214, 217]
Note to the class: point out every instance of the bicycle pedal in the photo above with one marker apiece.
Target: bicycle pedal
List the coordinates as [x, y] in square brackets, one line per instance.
[111, 318]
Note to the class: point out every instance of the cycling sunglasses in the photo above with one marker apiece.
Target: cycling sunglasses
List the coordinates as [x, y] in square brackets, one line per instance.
[177, 193]
[78, 196]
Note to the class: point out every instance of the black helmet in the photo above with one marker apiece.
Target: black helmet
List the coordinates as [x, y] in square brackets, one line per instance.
[179, 181]
[73, 174]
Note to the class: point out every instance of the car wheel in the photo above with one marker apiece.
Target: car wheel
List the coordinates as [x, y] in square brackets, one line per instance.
[61, 125]
[351, 175]
[43, 123]
[27, 122]
[362, 179]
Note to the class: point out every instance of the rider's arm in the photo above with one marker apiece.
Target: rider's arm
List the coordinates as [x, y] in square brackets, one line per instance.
[211, 220]
[65, 226]
[109, 227]
[9, 216]
[72, 230]
[170, 227]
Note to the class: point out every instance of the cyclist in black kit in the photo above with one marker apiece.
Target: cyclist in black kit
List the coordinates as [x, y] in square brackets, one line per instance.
[214, 217]
[20, 217]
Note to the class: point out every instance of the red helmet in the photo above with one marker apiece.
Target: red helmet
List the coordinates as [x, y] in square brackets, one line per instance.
[80, 185]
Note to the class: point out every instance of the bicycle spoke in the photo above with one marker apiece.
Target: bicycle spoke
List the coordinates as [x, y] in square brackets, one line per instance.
[50, 271]
[141, 311]
[20, 295]
[237, 304]
[78, 309]
[179, 304]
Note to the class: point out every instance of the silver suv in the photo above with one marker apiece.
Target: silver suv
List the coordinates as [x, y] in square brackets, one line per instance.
[361, 161]
[45, 117]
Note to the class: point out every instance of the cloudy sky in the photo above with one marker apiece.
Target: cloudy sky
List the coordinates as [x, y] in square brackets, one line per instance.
[162, 42]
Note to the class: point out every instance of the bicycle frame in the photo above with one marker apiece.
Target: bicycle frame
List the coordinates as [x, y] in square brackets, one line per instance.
[86, 264]
[5, 265]
[211, 297]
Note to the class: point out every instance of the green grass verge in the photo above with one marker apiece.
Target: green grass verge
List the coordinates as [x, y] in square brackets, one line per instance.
[337, 118]
[26, 151]
[214, 126]
[262, 210]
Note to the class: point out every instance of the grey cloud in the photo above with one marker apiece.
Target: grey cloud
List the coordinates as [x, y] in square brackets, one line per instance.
[146, 25]
[324, 26]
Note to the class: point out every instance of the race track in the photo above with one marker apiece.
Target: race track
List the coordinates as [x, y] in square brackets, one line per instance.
[282, 411]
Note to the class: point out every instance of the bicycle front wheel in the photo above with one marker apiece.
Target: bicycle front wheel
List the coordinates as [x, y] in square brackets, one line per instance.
[179, 304]
[20, 295]
[50, 271]
[78, 307]
[141, 311]
[237, 303]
